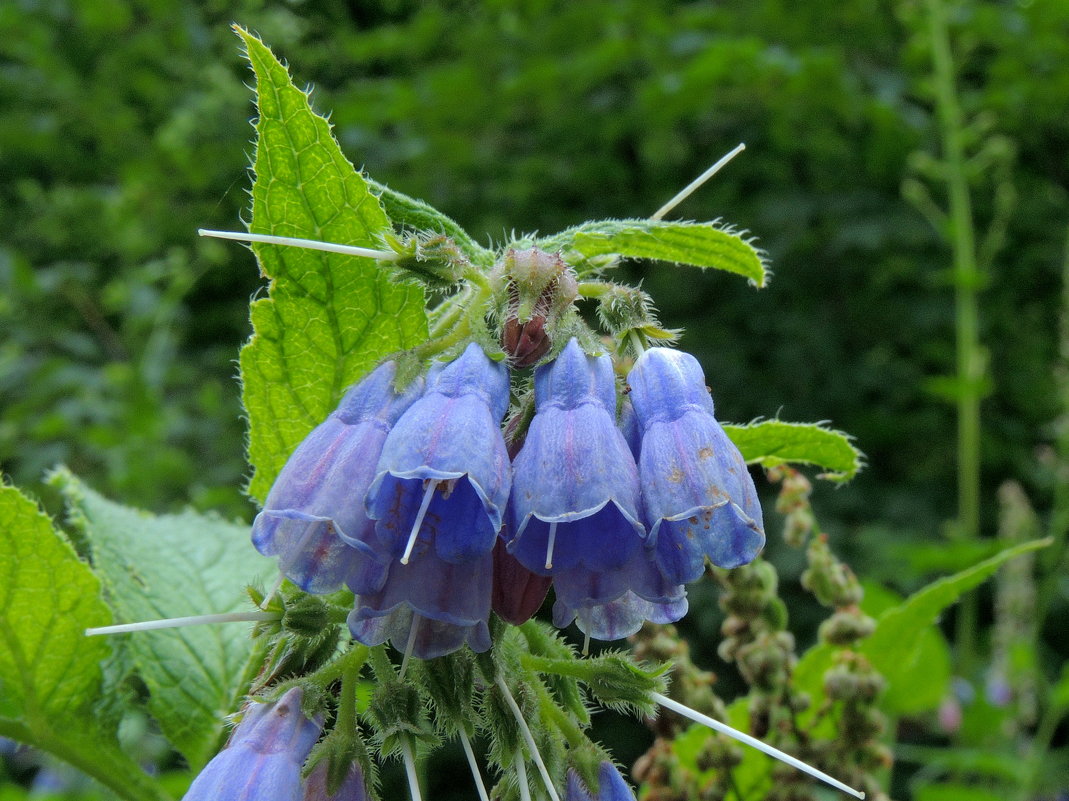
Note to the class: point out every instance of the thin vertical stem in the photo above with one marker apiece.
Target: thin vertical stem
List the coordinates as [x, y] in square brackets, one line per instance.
[969, 356]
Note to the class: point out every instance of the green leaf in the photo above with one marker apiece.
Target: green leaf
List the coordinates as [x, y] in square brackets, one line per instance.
[327, 318]
[50, 672]
[174, 566]
[896, 647]
[932, 651]
[775, 442]
[417, 215]
[696, 244]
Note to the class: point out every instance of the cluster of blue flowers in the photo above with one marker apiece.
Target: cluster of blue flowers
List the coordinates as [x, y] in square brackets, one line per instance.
[264, 759]
[411, 500]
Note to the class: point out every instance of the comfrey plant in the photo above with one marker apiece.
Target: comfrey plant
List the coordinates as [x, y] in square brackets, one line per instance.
[439, 438]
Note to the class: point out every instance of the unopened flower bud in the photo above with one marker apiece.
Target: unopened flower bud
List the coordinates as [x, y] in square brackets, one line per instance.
[539, 288]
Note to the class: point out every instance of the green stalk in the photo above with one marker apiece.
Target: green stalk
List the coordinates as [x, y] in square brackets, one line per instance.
[969, 356]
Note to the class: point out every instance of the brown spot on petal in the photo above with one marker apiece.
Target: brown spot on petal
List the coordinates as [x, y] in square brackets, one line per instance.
[705, 452]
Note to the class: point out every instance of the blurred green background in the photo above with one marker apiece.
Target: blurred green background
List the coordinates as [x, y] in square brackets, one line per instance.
[124, 128]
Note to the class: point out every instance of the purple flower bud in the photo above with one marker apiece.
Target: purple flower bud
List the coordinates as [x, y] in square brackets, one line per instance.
[612, 786]
[575, 485]
[699, 497]
[264, 756]
[444, 476]
[436, 605]
[314, 518]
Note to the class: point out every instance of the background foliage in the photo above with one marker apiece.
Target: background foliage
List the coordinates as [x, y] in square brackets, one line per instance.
[124, 128]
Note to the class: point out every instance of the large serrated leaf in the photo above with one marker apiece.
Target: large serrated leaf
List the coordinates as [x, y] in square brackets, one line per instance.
[775, 442]
[328, 318]
[168, 566]
[48, 597]
[50, 672]
[694, 244]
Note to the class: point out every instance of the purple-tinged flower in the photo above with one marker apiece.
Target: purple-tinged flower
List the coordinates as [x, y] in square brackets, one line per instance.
[352, 787]
[444, 475]
[613, 604]
[314, 518]
[428, 607]
[575, 492]
[699, 497]
[611, 786]
[264, 756]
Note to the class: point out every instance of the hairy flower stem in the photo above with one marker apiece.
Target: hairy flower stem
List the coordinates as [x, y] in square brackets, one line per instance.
[969, 356]
[742, 737]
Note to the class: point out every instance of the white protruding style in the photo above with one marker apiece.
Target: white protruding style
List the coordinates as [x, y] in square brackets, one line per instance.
[473, 764]
[549, 547]
[742, 737]
[690, 188]
[309, 244]
[410, 769]
[179, 622]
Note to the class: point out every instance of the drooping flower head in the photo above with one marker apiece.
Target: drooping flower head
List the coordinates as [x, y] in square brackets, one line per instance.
[575, 485]
[443, 478]
[700, 500]
[314, 515]
[264, 756]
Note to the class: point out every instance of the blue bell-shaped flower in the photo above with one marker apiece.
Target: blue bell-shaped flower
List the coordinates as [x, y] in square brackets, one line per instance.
[575, 495]
[614, 604]
[444, 474]
[699, 497]
[264, 756]
[314, 518]
[428, 607]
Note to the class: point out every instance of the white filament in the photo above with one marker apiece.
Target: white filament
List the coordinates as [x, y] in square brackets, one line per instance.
[428, 493]
[473, 764]
[308, 244]
[549, 548]
[179, 622]
[528, 738]
[690, 188]
[742, 737]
